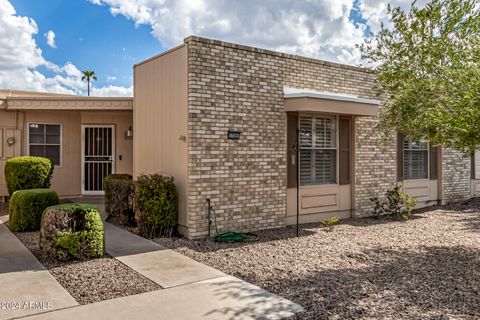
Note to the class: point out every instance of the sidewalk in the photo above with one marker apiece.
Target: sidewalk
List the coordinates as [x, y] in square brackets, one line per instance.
[26, 287]
[191, 290]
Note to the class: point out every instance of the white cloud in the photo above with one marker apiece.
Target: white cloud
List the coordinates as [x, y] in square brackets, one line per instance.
[50, 36]
[375, 11]
[112, 91]
[318, 28]
[20, 59]
[111, 78]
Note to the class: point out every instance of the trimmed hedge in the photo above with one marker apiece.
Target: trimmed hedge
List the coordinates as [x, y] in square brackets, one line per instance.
[28, 173]
[72, 231]
[119, 194]
[26, 208]
[156, 199]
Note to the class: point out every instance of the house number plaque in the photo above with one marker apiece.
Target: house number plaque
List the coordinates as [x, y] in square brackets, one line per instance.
[233, 134]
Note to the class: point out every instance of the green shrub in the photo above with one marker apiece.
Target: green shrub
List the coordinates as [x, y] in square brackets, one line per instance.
[28, 173]
[119, 194]
[330, 223]
[156, 200]
[26, 208]
[72, 231]
[395, 204]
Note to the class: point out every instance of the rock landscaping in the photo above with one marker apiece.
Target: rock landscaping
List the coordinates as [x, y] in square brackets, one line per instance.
[90, 280]
[426, 268]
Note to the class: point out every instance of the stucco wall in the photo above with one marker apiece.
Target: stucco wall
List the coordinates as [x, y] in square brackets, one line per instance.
[67, 177]
[160, 120]
[232, 86]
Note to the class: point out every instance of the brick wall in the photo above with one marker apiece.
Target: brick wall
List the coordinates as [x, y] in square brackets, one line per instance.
[233, 86]
[456, 181]
[375, 165]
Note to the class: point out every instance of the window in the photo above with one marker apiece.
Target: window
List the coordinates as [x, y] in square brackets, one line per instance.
[44, 141]
[476, 165]
[415, 159]
[318, 149]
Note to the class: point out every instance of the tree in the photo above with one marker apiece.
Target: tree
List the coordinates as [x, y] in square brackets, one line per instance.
[88, 75]
[428, 72]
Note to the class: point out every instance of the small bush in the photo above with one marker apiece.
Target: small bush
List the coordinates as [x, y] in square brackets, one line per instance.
[72, 231]
[156, 200]
[395, 204]
[26, 208]
[28, 173]
[119, 195]
[330, 223]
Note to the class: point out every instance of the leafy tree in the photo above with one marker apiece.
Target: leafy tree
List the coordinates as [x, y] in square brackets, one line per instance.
[88, 75]
[428, 68]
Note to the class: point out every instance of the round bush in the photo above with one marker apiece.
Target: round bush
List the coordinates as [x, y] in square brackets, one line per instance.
[26, 208]
[28, 173]
[72, 231]
[156, 199]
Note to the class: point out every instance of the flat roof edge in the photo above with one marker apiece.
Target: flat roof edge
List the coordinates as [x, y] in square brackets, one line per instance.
[159, 55]
[277, 53]
[299, 93]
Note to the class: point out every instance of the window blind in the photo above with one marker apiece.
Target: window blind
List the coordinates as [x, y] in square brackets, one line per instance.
[318, 149]
[415, 159]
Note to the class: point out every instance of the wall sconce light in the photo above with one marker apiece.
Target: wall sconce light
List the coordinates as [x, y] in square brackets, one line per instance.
[129, 132]
[10, 141]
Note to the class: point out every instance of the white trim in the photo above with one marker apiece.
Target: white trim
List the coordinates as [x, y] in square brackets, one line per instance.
[45, 144]
[307, 93]
[82, 154]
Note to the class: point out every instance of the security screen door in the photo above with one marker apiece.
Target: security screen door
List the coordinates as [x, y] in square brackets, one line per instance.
[98, 157]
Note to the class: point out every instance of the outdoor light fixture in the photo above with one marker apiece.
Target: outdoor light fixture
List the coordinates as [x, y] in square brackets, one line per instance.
[129, 132]
[11, 141]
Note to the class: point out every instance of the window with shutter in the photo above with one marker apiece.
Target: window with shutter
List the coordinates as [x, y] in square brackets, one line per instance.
[318, 149]
[44, 141]
[415, 159]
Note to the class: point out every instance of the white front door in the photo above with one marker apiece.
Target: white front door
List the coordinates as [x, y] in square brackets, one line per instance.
[98, 156]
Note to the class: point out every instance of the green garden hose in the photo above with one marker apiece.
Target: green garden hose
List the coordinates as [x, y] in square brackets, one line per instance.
[232, 236]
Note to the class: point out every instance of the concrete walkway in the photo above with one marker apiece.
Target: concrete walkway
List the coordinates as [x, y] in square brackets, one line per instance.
[26, 287]
[191, 290]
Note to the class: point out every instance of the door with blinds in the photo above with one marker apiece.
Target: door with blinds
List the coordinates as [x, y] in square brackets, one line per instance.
[98, 157]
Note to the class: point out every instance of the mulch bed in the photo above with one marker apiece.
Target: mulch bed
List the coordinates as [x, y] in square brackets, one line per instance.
[90, 280]
[426, 268]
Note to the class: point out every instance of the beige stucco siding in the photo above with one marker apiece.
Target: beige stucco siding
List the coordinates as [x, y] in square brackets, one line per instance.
[123, 145]
[8, 128]
[161, 118]
[67, 179]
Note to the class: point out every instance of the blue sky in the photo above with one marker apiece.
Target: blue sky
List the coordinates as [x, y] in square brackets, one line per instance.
[90, 37]
[109, 36]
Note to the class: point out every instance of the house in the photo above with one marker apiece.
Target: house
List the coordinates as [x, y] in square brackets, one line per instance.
[223, 119]
[84, 136]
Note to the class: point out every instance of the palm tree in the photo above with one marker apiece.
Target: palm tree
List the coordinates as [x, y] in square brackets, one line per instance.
[88, 75]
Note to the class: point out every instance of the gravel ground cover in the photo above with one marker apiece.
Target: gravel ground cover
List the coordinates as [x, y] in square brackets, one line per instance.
[90, 280]
[426, 268]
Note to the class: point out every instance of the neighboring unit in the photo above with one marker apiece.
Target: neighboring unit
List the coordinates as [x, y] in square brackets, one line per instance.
[83, 136]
